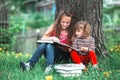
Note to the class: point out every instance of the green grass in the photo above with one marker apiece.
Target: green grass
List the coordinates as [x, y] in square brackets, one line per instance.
[9, 69]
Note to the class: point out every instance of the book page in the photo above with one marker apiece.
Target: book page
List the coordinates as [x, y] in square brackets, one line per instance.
[45, 41]
[56, 43]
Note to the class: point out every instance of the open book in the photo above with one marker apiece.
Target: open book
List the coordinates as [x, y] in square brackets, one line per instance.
[57, 43]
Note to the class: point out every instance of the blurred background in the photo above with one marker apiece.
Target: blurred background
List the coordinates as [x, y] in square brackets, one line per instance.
[25, 21]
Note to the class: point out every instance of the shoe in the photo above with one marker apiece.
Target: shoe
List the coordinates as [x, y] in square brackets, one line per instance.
[49, 69]
[96, 67]
[85, 69]
[25, 66]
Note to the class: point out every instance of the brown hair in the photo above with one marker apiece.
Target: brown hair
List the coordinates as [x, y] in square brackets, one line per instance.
[58, 25]
[85, 26]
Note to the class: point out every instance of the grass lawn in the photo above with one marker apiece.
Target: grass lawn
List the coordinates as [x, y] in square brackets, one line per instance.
[9, 69]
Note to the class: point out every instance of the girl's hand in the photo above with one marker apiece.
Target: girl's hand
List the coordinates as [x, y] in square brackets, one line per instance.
[84, 49]
[69, 49]
[55, 39]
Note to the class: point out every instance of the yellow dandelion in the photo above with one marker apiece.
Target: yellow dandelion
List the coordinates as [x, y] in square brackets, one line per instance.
[111, 49]
[49, 77]
[20, 54]
[106, 74]
[0, 49]
[27, 55]
[16, 56]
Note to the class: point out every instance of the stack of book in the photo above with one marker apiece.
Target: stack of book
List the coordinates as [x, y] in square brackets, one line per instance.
[67, 70]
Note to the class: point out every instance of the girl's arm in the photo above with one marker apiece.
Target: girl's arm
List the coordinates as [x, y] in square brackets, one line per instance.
[48, 33]
[92, 45]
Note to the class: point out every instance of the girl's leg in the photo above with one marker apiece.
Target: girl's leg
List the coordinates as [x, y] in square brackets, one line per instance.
[93, 58]
[38, 53]
[31, 63]
[61, 56]
[78, 59]
[75, 57]
[49, 54]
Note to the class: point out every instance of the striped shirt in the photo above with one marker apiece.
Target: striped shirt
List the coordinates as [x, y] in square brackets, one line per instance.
[84, 42]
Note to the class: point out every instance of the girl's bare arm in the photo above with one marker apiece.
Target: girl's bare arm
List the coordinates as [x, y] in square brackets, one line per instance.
[47, 35]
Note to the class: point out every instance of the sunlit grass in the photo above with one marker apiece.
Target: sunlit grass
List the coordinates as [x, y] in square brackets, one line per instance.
[9, 68]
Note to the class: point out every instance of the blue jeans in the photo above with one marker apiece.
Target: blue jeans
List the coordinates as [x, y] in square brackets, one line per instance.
[48, 49]
[51, 52]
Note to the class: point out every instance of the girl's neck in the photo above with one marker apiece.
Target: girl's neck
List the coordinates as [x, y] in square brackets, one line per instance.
[65, 32]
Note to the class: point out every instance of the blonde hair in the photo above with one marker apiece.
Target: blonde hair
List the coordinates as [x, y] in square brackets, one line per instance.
[85, 26]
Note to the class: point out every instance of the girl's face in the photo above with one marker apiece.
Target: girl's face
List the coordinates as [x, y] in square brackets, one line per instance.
[79, 33]
[65, 22]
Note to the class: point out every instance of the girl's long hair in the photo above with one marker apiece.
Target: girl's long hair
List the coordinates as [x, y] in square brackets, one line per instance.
[58, 24]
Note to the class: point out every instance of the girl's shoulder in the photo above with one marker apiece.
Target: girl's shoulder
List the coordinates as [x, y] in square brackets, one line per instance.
[91, 38]
[76, 39]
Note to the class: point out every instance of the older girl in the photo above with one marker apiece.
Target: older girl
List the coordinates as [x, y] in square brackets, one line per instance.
[61, 31]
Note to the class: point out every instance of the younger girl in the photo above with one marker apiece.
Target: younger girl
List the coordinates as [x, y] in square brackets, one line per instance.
[84, 43]
[61, 31]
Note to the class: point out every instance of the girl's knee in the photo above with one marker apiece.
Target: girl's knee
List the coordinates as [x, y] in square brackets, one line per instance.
[42, 45]
[73, 53]
[49, 46]
[92, 53]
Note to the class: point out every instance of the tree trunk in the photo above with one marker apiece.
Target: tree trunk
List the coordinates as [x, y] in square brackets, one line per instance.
[88, 10]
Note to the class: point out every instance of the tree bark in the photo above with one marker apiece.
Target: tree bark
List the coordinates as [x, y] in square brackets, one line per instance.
[88, 10]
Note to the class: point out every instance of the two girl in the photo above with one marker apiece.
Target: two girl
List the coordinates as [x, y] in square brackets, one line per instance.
[62, 31]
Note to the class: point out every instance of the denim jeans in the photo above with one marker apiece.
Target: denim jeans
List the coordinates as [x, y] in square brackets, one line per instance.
[51, 52]
[61, 56]
[48, 49]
